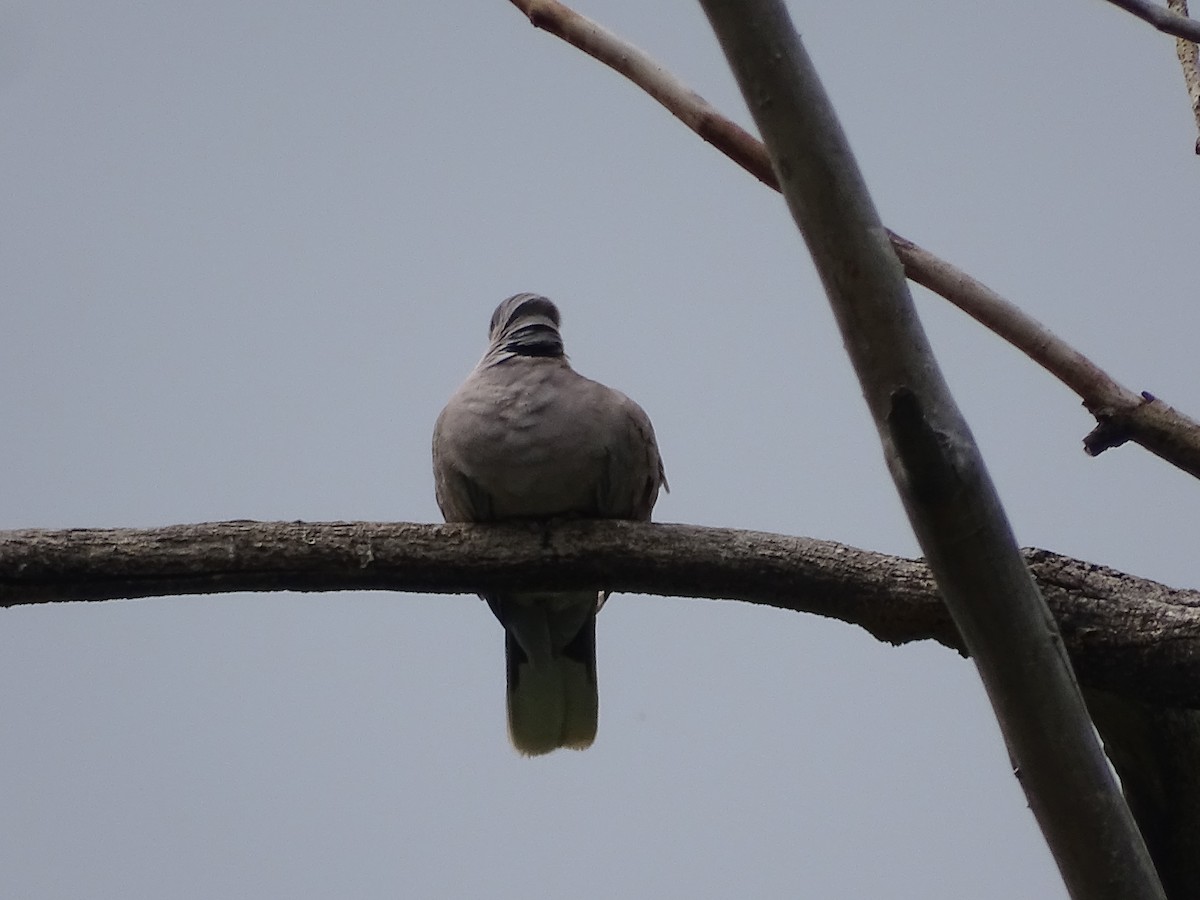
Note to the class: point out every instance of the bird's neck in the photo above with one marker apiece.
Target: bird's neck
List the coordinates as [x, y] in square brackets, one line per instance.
[533, 340]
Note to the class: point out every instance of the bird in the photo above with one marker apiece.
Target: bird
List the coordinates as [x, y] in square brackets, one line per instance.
[528, 437]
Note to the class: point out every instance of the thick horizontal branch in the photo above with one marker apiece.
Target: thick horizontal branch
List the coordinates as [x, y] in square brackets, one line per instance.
[1122, 414]
[1125, 634]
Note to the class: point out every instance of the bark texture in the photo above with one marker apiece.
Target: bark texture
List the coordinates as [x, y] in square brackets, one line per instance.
[1129, 635]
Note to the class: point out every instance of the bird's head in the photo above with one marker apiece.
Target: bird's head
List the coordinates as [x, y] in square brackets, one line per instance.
[526, 325]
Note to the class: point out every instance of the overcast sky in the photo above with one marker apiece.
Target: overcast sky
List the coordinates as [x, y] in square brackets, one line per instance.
[248, 250]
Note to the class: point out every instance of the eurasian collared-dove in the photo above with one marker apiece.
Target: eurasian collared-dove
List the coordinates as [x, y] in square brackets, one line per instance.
[526, 436]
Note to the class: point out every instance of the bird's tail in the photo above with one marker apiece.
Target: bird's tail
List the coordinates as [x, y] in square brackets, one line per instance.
[553, 702]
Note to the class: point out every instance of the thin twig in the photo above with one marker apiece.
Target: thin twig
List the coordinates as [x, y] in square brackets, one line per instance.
[1168, 21]
[1122, 414]
[639, 67]
[1189, 60]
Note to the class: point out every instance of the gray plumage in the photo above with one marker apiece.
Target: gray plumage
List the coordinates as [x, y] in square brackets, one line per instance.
[526, 436]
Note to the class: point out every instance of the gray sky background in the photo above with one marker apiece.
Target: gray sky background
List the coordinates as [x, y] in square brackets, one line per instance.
[247, 251]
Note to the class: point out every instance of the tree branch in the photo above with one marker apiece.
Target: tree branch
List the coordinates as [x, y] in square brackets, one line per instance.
[1189, 61]
[1122, 414]
[1125, 634]
[639, 67]
[939, 473]
[1167, 21]
[1135, 638]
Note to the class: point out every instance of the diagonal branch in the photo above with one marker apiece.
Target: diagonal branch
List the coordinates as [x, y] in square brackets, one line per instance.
[1168, 21]
[681, 101]
[1189, 61]
[1125, 634]
[1122, 414]
[938, 471]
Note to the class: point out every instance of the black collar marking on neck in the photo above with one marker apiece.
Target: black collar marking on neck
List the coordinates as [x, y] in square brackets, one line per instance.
[535, 340]
[542, 348]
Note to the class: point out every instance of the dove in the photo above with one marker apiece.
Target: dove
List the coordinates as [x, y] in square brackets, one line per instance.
[528, 437]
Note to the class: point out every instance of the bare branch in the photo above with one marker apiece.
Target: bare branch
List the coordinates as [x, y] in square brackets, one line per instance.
[939, 473]
[1125, 634]
[1189, 60]
[681, 101]
[1168, 21]
[1122, 414]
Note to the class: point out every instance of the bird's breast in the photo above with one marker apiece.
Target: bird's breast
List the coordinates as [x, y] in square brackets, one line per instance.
[532, 445]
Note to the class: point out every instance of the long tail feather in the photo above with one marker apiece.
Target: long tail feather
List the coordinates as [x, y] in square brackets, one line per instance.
[553, 702]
